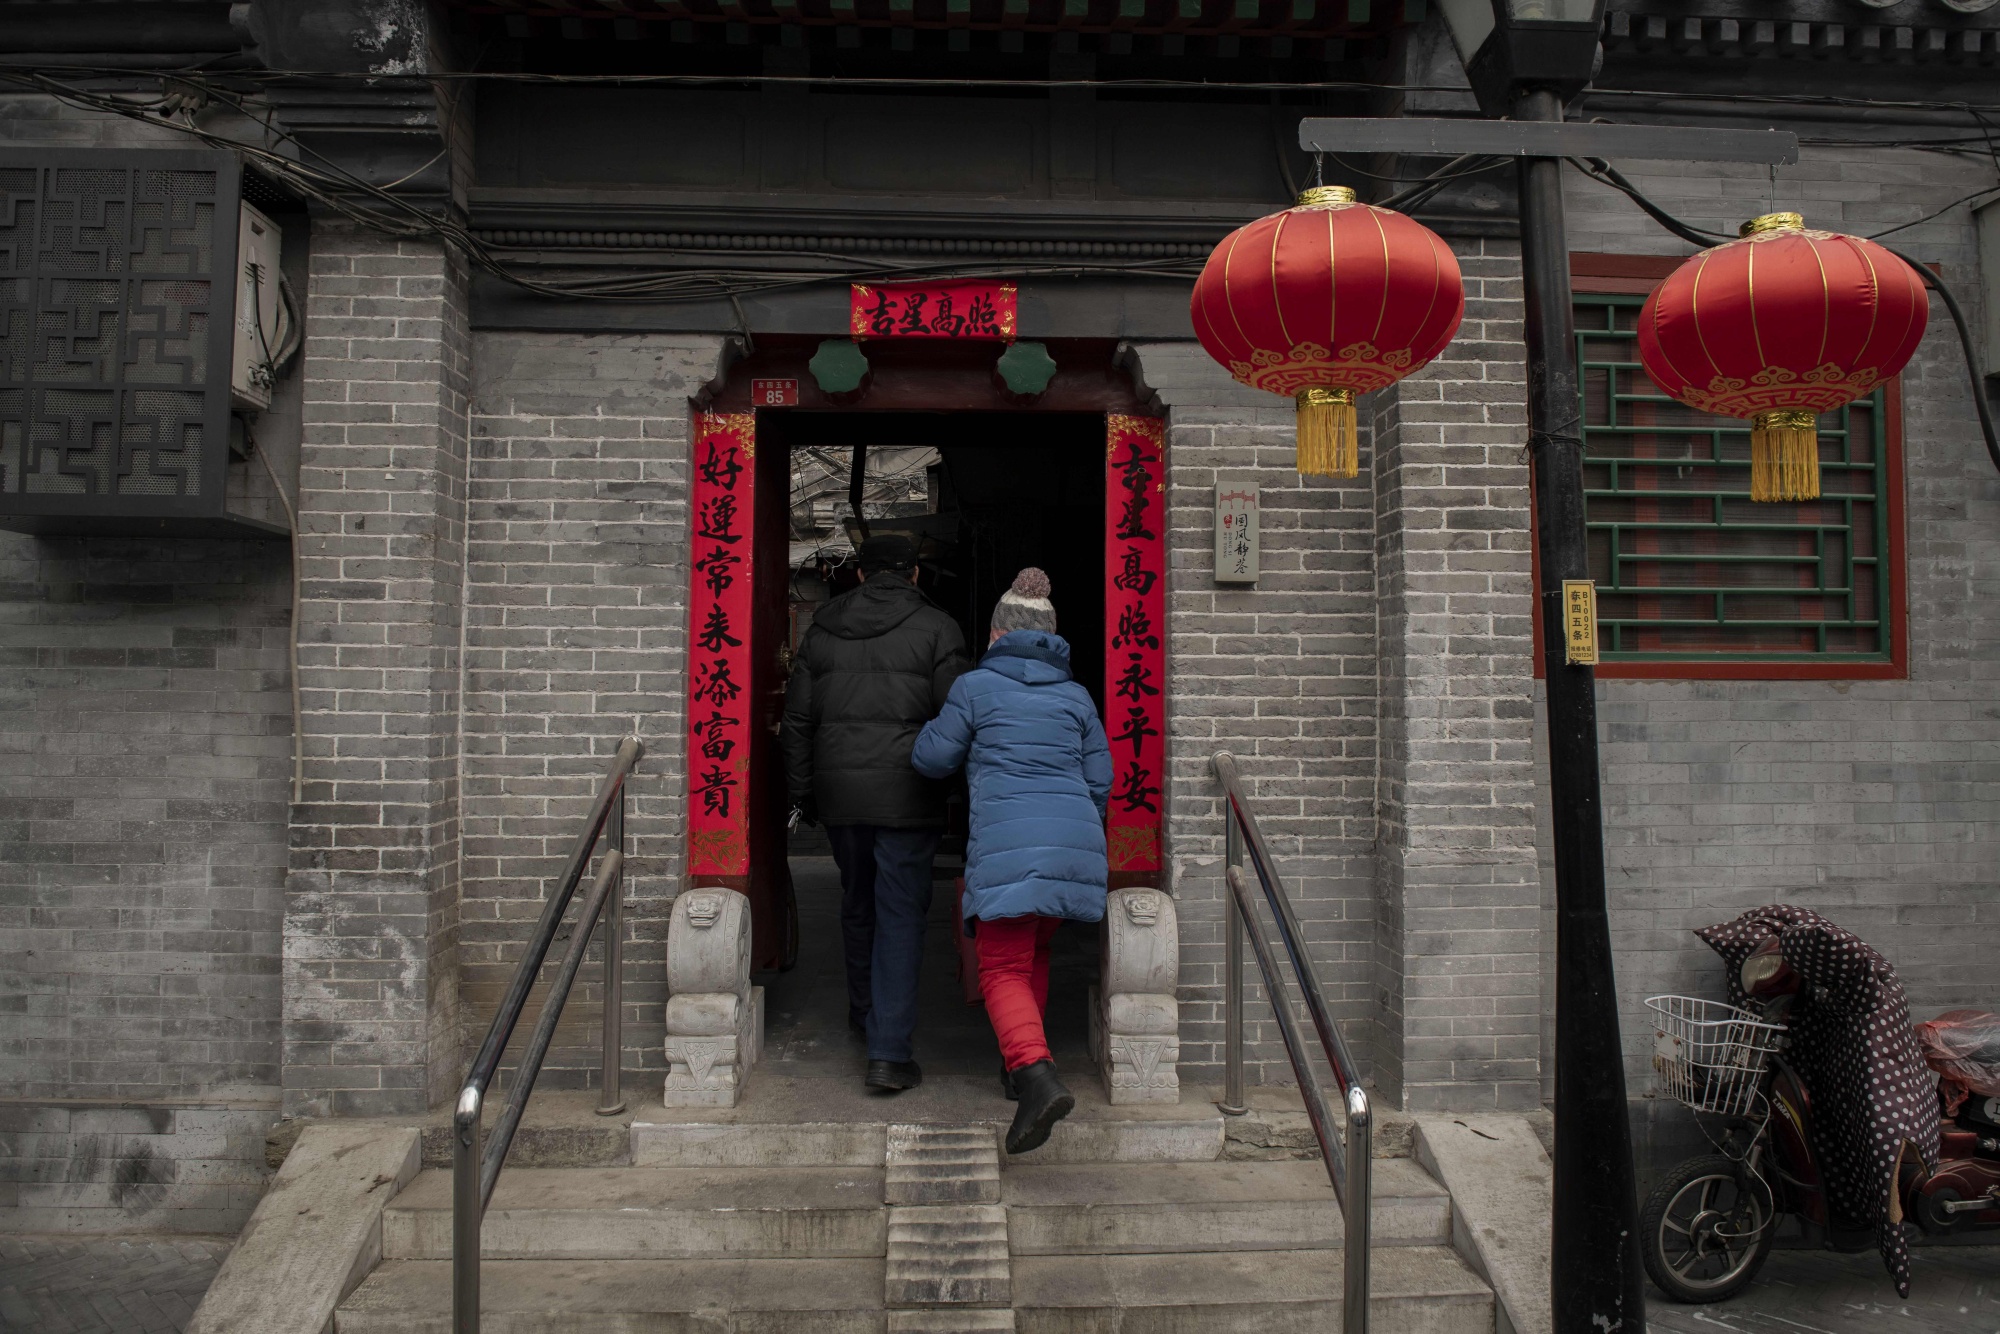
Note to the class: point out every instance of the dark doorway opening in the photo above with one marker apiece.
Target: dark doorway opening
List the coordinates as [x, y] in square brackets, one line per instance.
[1003, 490]
[1011, 489]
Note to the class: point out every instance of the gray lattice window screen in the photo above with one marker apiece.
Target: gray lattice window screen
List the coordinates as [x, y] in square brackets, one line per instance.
[114, 330]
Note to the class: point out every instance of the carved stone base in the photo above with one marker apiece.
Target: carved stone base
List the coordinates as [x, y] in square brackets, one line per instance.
[715, 1018]
[707, 1069]
[1135, 1018]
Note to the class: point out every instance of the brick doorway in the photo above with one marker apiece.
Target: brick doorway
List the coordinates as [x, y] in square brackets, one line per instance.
[991, 482]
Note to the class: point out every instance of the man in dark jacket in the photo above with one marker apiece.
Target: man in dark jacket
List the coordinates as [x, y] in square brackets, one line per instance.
[876, 666]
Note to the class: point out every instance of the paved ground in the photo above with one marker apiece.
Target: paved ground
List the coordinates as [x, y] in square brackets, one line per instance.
[82, 1285]
[1953, 1290]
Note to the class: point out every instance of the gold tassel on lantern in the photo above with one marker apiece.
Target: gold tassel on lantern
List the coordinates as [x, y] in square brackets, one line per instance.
[1327, 443]
[1784, 456]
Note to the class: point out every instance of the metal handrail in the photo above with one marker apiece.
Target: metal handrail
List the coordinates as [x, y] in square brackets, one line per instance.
[1351, 1170]
[474, 1172]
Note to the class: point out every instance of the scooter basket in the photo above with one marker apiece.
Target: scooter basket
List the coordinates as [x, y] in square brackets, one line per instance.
[1710, 1055]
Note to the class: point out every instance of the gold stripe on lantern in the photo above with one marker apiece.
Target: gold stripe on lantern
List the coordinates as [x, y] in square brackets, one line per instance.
[1784, 456]
[1328, 446]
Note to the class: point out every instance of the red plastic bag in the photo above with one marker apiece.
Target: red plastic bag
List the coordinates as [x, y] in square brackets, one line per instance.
[1963, 1046]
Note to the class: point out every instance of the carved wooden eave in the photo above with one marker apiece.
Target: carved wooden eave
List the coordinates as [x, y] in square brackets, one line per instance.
[1914, 50]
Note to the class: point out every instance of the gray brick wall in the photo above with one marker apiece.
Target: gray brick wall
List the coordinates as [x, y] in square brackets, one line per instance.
[1458, 931]
[1870, 801]
[83, 1166]
[576, 592]
[1282, 676]
[144, 749]
[371, 922]
[145, 744]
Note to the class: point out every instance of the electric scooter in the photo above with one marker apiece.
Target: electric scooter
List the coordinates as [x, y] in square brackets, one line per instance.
[1707, 1228]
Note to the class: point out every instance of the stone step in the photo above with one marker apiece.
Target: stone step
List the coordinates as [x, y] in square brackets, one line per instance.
[715, 1293]
[1415, 1290]
[835, 1122]
[947, 1254]
[953, 1320]
[633, 1213]
[1079, 1139]
[1085, 1209]
[937, 1164]
[758, 1144]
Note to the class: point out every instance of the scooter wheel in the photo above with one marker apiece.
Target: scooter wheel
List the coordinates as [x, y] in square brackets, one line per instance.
[1705, 1230]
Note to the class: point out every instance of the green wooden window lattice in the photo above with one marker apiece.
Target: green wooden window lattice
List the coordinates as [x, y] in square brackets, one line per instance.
[1688, 568]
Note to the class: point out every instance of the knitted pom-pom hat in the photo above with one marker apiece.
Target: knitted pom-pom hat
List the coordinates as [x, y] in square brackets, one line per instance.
[1026, 605]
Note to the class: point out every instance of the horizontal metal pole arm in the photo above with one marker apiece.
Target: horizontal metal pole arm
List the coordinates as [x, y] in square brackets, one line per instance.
[1517, 138]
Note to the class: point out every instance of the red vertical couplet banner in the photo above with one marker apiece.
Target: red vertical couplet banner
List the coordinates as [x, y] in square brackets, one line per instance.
[1135, 629]
[719, 701]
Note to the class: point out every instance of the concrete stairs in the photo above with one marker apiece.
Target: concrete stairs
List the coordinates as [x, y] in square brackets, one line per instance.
[1130, 1221]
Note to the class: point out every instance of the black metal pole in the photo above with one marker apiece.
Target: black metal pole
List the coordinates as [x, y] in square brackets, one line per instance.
[1595, 1268]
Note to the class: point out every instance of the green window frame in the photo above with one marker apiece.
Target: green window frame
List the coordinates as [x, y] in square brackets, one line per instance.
[1693, 577]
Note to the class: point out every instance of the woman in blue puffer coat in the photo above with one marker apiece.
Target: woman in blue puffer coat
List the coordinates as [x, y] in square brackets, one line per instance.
[1039, 770]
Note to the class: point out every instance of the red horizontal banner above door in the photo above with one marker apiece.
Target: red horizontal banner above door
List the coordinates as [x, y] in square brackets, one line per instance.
[932, 310]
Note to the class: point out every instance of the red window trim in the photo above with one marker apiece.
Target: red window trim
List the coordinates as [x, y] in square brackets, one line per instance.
[1638, 275]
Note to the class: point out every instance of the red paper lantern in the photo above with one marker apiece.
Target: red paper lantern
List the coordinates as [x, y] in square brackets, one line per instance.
[1778, 326]
[1324, 301]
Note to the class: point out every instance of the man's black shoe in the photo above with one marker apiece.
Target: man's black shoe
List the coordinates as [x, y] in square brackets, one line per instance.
[1044, 1101]
[894, 1076]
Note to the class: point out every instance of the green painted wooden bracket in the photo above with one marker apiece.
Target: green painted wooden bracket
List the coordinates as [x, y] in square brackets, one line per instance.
[839, 366]
[1026, 368]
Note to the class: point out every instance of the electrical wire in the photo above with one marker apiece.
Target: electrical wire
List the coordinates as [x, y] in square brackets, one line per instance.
[1438, 175]
[292, 637]
[1416, 196]
[1603, 172]
[755, 79]
[1979, 404]
[373, 206]
[1600, 170]
[1973, 110]
[1905, 226]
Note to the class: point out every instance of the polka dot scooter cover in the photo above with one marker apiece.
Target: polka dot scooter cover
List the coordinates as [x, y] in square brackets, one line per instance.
[1853, 1047]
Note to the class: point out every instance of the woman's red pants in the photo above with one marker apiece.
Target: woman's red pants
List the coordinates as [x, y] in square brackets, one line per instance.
[1014, 978]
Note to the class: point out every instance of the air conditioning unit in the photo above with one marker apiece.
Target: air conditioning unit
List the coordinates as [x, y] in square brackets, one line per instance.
[119, 338]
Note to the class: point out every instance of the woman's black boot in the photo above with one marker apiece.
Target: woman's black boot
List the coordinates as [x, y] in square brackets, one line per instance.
[1044, 1101]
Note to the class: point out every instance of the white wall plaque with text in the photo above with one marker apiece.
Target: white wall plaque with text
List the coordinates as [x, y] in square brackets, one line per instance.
[1235, 530]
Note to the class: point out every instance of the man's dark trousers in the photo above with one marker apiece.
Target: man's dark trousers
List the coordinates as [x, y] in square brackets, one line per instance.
[885, 903]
